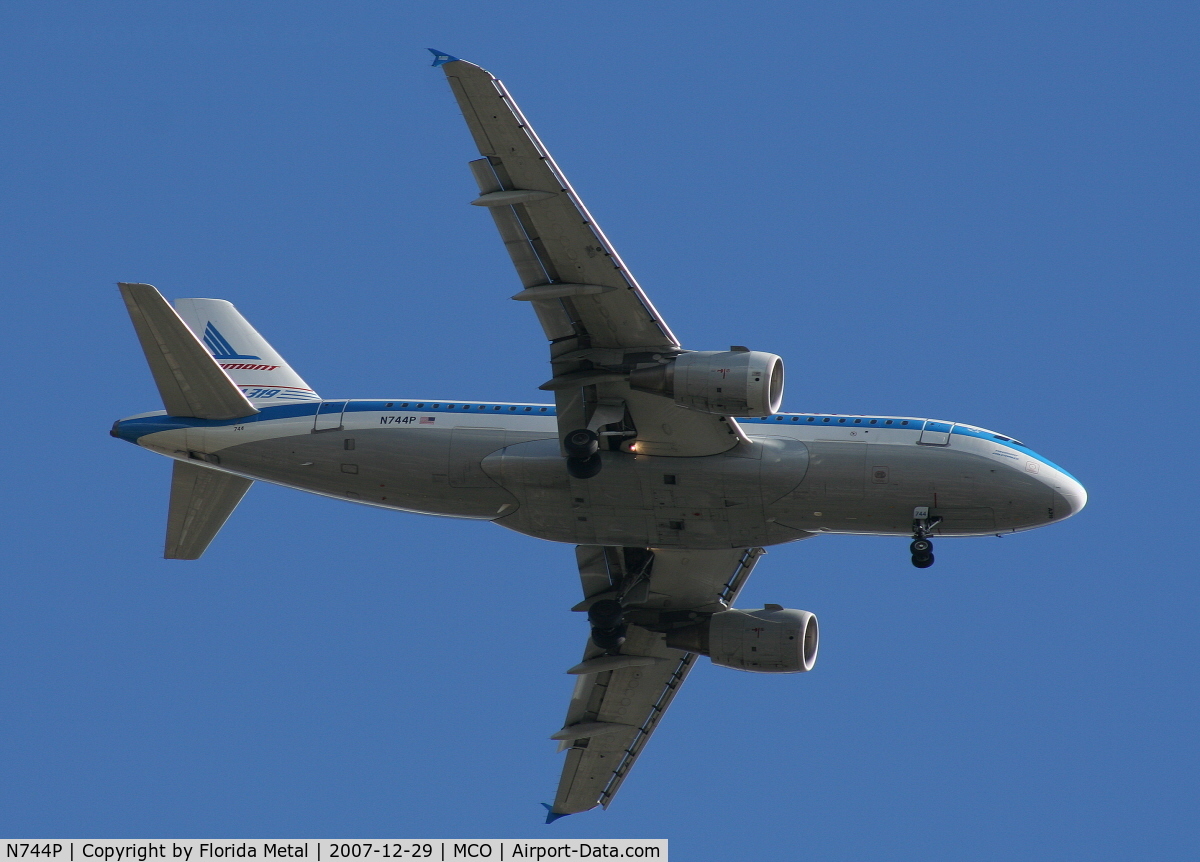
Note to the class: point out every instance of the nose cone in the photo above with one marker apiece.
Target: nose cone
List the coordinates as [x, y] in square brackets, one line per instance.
[1069, 497]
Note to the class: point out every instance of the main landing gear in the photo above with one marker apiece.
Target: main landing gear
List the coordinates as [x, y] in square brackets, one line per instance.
[608, 625]
[583, 453]
[921, 548]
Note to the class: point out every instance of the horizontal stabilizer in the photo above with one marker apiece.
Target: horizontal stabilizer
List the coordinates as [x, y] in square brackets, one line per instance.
[189, 380]
[202, 499]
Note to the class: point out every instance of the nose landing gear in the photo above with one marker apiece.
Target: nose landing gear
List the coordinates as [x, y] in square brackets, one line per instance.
[921, 548]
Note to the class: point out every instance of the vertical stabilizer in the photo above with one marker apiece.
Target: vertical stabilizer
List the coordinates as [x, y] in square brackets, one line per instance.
[202, 499]
[253, 364]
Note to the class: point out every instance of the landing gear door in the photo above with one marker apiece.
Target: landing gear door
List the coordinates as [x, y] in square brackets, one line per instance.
[936, 433]
[329, 416]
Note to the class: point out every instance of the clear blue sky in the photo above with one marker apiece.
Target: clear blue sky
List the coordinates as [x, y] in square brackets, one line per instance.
[976, 211]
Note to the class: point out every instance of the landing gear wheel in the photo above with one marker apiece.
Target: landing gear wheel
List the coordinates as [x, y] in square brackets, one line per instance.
[608, 625]
[921, 547]
[581, 444]
[584, 468]
[610, 640]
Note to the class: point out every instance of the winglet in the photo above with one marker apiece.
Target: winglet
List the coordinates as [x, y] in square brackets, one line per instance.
[441, 57]
[551, 814]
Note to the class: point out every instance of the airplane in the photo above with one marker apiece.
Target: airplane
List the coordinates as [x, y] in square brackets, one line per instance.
[669, 469]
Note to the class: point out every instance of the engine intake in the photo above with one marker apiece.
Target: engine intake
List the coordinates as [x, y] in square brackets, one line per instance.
[725, 382]
[772, 640]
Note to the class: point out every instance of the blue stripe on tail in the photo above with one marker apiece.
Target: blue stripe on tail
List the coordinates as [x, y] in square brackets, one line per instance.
[220, 346]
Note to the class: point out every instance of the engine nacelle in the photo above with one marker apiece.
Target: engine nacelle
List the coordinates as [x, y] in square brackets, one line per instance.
[725, 382]
[772, 640]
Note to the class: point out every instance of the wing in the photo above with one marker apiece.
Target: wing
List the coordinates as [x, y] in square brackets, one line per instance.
[619, 699]
[599, 322]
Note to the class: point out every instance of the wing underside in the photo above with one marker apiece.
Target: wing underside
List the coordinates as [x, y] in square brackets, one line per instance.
[580, 288]
[601, 326]
[598, 320]
[619, 700]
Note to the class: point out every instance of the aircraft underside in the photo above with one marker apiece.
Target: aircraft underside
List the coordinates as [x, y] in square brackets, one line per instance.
[668, 468]
[769, 490]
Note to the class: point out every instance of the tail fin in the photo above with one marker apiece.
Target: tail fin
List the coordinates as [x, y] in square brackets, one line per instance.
[189, 381]
[260, 372]
[202, 499]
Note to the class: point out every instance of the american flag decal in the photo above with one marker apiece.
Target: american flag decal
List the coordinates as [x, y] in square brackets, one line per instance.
[427, 420]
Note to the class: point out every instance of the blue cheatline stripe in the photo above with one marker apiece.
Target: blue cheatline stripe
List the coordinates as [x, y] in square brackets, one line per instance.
[895, 423]
[1011, 444]
[474, 407]
[132, 429]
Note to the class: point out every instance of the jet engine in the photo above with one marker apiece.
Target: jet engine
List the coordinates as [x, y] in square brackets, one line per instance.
[773, 640]
[728, 382]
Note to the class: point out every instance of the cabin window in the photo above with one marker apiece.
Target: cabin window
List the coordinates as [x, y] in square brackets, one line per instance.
[389, 404]
[873, 421]
[841, 420]
[348, 444]
[889, 422]
[905, 422]
[668, 479]
[826, 419]
[857, 421]
[349, 468]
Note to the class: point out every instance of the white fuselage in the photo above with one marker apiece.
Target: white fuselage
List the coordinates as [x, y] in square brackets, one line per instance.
[799, 474]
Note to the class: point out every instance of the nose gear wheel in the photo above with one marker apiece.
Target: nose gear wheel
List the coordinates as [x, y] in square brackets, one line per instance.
[921, 547]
